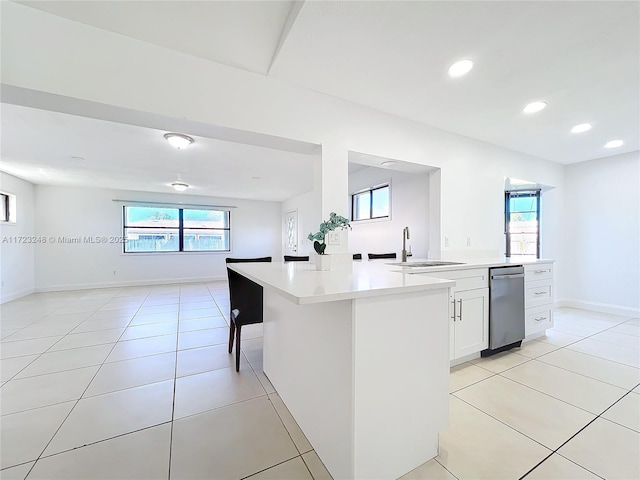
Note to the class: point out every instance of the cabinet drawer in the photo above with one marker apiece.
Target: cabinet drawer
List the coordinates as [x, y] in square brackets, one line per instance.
[537, 319]
[465, 279]
[537, 293]
[540, 271]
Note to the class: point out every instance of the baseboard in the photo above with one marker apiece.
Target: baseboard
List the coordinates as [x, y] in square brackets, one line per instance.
[599, 307]
[464, 359]
[16, 295]
[125, 283]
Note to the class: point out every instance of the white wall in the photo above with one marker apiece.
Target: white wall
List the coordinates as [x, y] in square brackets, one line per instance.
[602, 234]
[409, 208]
[79, 212]
[17, 270]
[308, 206]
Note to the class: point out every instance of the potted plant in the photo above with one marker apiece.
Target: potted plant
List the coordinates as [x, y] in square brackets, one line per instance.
[323, 261]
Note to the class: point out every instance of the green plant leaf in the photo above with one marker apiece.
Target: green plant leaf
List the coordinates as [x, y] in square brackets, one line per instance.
[319, 247]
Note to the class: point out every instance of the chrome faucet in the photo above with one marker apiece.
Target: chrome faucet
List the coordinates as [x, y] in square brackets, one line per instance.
[405, 237]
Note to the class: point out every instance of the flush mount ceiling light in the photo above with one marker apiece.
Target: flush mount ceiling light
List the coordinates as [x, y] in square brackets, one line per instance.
[178, 140]
[614, 144]
[388, 163]
[583, 127]
[534, 107]
[179, 186]
[460, 68]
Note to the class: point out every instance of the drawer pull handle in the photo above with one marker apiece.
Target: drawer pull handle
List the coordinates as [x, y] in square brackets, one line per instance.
[454, 310]
[538, 272]
[539, 319]
[540, 293]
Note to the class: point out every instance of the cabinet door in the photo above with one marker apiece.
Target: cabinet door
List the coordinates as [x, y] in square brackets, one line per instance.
[471, 324]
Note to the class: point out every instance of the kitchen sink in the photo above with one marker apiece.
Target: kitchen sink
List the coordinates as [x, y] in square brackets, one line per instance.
[426, 263]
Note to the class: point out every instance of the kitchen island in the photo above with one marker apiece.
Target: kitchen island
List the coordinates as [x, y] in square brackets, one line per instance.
[360, 357]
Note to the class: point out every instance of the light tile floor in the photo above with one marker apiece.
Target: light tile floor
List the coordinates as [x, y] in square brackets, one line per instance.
[137, 383]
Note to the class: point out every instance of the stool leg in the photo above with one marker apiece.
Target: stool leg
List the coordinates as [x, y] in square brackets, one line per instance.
[238, 348]
[232, 329]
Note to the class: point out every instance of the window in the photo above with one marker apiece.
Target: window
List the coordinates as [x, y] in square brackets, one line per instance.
[4, 207]
[7, 207]
[522, 223]
[370, 203]
[167, 229]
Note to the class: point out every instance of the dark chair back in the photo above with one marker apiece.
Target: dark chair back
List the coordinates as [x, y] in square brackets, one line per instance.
[357, 256]
[381, 255]
[294, 258]
[244, 294]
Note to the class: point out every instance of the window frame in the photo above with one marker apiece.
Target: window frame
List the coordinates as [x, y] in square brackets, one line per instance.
[4, 199]
[180, 228]
[370, 190]
[508, 195]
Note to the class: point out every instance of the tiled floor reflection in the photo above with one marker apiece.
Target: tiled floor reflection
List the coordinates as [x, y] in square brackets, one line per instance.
[137, 383]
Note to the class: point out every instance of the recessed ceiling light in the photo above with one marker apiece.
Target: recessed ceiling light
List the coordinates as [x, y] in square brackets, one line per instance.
[178, 140]
[614, 144]
[534, 107]
[388, 163]
[583, 127]
[179, 186]
[460, 68]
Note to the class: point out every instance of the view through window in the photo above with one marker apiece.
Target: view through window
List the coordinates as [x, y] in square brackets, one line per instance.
[166, 229]
[522, 223]
[370, 203]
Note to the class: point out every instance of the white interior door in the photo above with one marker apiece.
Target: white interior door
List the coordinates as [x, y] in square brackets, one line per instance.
[290, 233]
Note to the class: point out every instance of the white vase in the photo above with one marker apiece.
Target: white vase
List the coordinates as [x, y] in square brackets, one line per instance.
[323, 262]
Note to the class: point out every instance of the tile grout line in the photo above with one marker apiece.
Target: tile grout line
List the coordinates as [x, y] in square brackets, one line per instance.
[555, 451]
[73, 408]
[551, 396]
[175, 382]
[450, 472]
[275, 465]
[559, 399]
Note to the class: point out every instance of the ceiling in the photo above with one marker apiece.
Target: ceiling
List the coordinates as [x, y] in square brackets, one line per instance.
[582, 58]
[81, 151]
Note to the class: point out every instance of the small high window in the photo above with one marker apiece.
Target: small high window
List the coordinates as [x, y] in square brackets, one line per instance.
[370, 203]
[4, 207]
[7, 207]
[522, 223]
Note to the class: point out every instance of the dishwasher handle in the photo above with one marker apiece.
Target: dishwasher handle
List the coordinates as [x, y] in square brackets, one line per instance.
[500, 277]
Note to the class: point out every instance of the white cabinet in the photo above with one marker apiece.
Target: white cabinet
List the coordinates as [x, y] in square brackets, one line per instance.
[469, 322]
[538, 298]
[468, 311]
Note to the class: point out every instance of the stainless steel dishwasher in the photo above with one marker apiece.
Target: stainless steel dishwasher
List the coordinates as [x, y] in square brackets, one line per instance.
[506, 309]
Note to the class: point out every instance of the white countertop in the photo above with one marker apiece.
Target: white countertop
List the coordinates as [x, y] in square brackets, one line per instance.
[465, 264]
[301, 283]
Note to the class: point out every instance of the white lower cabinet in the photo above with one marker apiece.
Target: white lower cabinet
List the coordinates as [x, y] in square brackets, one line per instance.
[538, 319]
[468, 311]
[538, 298]
[469, 325]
